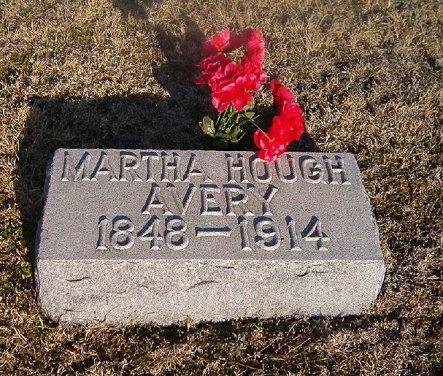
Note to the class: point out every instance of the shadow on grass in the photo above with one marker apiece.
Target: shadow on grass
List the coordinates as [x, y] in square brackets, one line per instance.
[138, 9]
[126, 121]
[293, 339]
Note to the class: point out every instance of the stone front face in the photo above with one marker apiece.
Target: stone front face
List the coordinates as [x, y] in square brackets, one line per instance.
[167, 236]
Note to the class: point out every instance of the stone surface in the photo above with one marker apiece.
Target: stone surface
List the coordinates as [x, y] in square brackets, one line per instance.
[168, 236]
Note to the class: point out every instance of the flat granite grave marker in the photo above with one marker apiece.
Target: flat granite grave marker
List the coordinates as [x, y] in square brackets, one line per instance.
[165, 236]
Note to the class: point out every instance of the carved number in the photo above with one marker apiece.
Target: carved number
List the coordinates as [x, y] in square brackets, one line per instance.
[244, 234]
[267, 234]
[293, 241]
[176, 238]
[122, 235]
[151, 234]
[314, 233]
[102, 223]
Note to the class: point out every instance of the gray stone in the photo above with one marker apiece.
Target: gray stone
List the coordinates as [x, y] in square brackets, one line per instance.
[169, 236]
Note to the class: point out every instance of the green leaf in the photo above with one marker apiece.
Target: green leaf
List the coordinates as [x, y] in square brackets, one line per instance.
[207, 126]
[250, 114]
[249, 106]
[236, 134]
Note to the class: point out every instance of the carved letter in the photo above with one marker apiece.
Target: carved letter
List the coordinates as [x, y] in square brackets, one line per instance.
[240, 199]
[268, 235]
[314, 233]
[81, 171]
[266, 197]
[311, 170]
[168, 166]
[207, 198]
[129, 163]
[183, 204]
[292, 176]
[103, 168]
[150, 232]
[244, 234]
[155, 200]
[265, 176]
[148, 156]
[175, 236]
[194, 169]
[122, 236]
[239, 166]
[336, 169]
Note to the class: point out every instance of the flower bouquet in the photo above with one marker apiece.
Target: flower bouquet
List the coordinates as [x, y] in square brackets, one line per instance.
[232, 82]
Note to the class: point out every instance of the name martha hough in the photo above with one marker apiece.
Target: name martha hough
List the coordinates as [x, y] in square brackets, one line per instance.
[168, 236]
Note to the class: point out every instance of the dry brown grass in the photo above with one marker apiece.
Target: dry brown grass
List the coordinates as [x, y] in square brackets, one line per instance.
[119, 74]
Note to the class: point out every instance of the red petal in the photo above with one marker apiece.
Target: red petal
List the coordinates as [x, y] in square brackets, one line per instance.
[255, 46]
[217, 43]
[259, 137]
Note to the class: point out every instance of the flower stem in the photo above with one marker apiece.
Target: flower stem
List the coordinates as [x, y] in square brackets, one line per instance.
[261, 130]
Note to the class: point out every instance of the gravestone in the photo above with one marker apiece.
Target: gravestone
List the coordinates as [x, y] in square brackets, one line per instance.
[169, 236]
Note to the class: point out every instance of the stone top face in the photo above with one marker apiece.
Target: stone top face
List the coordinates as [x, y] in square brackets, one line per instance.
[166, 204]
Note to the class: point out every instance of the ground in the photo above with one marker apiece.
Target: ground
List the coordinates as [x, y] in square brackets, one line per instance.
[97, 73]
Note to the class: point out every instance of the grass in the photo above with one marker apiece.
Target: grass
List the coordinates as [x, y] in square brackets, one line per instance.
[119, 74]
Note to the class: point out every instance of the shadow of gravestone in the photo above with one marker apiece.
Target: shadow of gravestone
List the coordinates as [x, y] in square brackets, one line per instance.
[136, 8]
[134, 121]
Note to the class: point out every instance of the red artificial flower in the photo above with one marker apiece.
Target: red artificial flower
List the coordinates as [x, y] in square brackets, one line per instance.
[254, 46]
[291, 119]
[225, 41]
[271, 147]
[286, 126]
[280, 93]
[231, 82]
[231, 95]
[253, 74]
[210, 66]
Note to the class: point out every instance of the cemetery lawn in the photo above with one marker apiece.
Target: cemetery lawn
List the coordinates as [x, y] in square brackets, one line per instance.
[119, 74]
